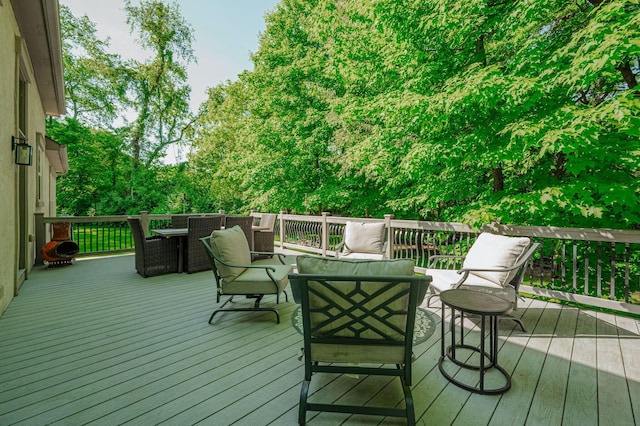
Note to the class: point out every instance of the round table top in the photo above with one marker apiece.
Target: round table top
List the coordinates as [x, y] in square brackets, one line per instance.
[475, 302]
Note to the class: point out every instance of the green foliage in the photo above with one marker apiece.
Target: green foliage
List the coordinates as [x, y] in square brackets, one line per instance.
[116, 169]
[525, 112]
[515, 111]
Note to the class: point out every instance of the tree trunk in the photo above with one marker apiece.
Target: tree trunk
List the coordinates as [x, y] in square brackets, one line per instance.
[498, 179]
[627, 74]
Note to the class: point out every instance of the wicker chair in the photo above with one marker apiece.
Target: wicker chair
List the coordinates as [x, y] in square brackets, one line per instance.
[245, 223]
[195, 255]
[179, 220]
[154, 255]
[263, 238]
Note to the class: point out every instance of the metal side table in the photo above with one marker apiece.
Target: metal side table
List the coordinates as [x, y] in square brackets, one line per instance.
[486, 306]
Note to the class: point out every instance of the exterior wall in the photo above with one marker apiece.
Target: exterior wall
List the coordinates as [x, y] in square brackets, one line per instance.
[8, 171]
[17, 246]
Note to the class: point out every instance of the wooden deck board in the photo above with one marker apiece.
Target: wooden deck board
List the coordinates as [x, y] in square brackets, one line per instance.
[95, 343]
[613, 401]
[581, 404]
[548, 401]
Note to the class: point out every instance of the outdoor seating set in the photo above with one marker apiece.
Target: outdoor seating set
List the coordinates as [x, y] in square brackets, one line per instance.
[358, 309]
[178, 248]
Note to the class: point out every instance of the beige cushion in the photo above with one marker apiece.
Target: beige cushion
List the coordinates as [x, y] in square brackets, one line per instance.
[231, 246]
[268, 221]
[256, 281]
[363, 237]
[332, 266]
[354, 255]
[492, 251]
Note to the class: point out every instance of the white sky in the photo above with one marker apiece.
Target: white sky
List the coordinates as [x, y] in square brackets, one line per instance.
[225, 33]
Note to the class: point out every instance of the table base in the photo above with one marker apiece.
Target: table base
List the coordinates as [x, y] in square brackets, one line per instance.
[488, 360]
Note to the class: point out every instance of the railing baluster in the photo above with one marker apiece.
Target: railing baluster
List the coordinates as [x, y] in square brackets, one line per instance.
[586, 269]
[575, 267]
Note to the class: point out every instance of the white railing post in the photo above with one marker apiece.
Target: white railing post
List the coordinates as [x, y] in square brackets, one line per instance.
[282, 212]
[387, 221]
[324, 242]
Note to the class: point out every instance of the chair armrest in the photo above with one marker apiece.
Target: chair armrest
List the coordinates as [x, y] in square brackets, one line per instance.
[281, 257]
[233, 265]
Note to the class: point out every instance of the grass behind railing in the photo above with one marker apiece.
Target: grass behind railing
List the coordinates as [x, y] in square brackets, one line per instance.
[107, 237]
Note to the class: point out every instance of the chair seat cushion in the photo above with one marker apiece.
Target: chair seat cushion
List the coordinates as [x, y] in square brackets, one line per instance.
[446, 279]
[256, 281]
[331, 266]
[231, 246]
[363, 237]
[491, 251]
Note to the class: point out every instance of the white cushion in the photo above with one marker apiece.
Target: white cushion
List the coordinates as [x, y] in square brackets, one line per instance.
[446, 279]
[491, 251]
[363, 237]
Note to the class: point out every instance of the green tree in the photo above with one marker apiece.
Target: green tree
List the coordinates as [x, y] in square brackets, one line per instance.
[157, 87]
[94, 88]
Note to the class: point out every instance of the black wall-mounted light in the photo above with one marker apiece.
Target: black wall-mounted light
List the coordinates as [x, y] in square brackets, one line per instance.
[24, 151]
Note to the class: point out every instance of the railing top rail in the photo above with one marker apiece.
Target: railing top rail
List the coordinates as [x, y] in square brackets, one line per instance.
[82, 219]
[433, 226]
[581, 234]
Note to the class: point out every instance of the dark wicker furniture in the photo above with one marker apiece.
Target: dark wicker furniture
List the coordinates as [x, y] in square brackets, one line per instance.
[195, 255]
[179, 220]
[244, 222]
[263, 238]
[154, 255]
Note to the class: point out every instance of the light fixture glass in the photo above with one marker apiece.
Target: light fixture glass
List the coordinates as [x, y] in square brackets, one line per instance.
[24, 151]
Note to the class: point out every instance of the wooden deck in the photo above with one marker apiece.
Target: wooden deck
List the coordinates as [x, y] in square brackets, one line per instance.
[95, 343]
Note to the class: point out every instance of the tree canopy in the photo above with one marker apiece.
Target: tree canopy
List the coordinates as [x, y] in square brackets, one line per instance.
[521, 112]
[517, 111]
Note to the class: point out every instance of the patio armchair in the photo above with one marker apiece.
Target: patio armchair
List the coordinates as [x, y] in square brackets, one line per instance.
[263, 238]
[195, 255]
[494, 264]
[358, 318]
[154, 255]
[236, 275]
[363, 240]
[179, 220]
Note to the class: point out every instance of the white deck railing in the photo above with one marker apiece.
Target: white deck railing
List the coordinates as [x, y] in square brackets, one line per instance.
[596, 267]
